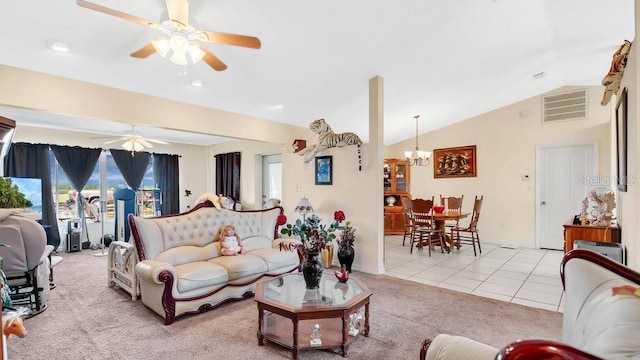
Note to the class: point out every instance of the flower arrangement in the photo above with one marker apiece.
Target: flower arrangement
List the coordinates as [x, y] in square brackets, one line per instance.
[314, 235]
[348, 232]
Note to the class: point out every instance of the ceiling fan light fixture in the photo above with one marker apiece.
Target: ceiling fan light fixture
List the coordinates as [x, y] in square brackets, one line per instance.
[195, 53]
[179, 43]
[132, 145]
[178, 58]
[162, 46]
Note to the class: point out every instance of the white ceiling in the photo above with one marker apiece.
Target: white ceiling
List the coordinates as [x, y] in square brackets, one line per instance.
[445, 60]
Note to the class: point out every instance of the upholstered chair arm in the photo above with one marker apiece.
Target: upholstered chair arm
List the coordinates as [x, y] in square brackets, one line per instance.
[47, 251]
[149, 270]
[541, 350]
[450, 347]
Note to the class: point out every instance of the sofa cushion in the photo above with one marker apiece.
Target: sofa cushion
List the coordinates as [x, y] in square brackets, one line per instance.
[195, 275]
[185, 254]
[609, 324]
[241, 266]
[277, 259]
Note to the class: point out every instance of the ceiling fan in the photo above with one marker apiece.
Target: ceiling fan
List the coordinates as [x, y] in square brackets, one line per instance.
[132, 141]
[181, 39]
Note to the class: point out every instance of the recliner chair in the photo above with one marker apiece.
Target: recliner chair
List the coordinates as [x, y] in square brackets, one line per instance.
[26, 260]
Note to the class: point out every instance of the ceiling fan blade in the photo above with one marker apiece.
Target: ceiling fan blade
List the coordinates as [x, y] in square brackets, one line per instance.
[229, 39]
[212, 60]
[144, 51]
[114, 141]
[145, 143]
[157, 141]
[120, 14]
[178, 10]
[104, 137]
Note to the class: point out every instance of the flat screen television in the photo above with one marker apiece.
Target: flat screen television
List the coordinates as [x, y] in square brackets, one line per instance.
[22, 193]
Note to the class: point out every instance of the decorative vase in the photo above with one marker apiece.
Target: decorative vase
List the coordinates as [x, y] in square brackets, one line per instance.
[312, 270]
[327, 255]
[346, 256]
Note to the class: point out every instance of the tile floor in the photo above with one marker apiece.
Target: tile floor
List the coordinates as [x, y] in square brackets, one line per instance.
[523, 276]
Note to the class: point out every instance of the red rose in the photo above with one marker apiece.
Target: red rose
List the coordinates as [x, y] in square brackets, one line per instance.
[282, 219]
[339, 216]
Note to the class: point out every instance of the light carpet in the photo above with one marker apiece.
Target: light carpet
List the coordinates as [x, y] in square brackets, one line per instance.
[85, 319]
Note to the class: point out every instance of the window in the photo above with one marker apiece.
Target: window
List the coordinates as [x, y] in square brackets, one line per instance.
[105, 175]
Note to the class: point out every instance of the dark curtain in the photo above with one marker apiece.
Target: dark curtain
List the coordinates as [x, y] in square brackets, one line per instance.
[228, 175]
[32, 160]
[78, 164]
[132, 166]
[166, 176]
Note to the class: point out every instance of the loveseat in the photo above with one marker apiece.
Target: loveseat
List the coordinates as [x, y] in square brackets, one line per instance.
[180, 268]
[601, 318]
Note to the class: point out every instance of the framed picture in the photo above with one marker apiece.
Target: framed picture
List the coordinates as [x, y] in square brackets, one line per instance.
[455, 162]
[324, 170]
[621, 140]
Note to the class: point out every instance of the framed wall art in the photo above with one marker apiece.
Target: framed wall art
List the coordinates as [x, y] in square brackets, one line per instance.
[324, 170]
[455, 162]
[621, 140]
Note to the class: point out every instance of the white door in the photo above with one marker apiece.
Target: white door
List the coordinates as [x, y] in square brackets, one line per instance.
[566, 173]
[271, 178]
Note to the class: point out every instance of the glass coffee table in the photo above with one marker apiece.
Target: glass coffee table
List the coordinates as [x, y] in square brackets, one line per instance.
[301, 319]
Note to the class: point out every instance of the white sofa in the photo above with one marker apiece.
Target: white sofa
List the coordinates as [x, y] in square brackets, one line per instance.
[180, 268]
[596, 323]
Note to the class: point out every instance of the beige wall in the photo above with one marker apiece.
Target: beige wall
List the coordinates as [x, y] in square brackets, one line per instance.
[506, 150]
[630, 200]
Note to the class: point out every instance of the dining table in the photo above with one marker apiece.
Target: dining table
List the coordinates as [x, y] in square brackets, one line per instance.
[439, 220]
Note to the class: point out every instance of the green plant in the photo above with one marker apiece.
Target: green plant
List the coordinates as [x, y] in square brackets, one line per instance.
[11, 197]
[313, 234]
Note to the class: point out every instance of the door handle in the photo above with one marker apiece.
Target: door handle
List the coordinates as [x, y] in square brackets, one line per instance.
[543, 203]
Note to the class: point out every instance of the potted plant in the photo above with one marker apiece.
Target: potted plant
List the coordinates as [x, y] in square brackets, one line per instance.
[313, 237]
[346, 252]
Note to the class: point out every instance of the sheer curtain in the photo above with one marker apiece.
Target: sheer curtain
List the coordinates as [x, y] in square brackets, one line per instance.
[166, 175]
[78, 164]
[32, 160]
[228, 175]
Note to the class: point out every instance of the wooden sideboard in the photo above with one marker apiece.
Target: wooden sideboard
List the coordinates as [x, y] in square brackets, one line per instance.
[589, 233]
[393, 220]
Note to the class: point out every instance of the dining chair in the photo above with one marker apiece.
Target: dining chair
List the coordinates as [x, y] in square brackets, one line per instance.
[408, 222]
[423, 230]
[469, 235]
[451, 204]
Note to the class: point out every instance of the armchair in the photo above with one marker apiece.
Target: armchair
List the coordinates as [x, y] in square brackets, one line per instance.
[26, 260]
[600, 319]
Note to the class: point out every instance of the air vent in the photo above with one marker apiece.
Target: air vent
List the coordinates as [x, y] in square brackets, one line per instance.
[566, 106]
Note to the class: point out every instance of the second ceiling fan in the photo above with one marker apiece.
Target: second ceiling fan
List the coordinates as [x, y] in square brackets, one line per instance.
[182, 41]
[132, 140]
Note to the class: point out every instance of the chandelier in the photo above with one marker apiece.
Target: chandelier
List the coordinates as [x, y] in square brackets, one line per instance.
[417, 157]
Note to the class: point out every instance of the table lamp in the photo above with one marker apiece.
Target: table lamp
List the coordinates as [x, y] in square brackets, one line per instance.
[304, 207]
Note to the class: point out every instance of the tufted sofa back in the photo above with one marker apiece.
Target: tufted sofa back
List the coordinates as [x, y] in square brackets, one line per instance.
[190, 236]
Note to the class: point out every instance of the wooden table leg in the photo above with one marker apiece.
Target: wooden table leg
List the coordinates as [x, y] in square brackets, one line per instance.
[260, 325]
[344, 346]
[366, 319]
[294, 350]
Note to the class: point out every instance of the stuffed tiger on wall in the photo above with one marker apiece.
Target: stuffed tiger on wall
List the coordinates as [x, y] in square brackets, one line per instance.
[328, 139]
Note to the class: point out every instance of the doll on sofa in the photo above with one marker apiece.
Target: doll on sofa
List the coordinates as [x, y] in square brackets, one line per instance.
[230, 243]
